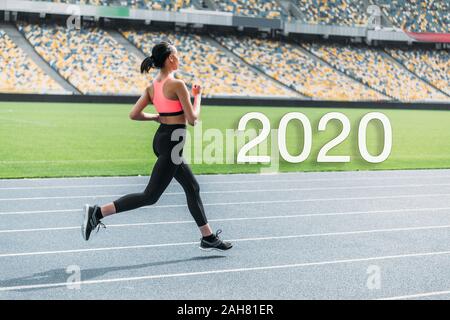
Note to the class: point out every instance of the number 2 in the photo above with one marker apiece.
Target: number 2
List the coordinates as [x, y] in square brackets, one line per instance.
[323, 157]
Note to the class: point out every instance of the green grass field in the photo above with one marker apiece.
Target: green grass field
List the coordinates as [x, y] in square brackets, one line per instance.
[62, 139]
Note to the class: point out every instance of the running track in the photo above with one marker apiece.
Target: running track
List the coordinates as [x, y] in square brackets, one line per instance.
[331, 235]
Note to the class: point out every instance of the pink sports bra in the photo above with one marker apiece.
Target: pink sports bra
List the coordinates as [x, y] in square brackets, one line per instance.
[165, 107]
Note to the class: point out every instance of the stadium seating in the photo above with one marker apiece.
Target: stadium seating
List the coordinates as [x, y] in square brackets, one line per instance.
[227, 65]
[88, 58]
[377, 70]
[168, 5]
[219, 73]
[431, 65]
[19, 74]
[338, 12]
[291, 66]
[252, 8]
[418, 16]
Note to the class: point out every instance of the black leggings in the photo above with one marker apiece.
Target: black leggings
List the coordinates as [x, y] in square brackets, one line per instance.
[170, 164]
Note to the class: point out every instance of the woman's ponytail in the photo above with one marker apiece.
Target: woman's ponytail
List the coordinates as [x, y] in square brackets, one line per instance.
[147, 64]
[160, 53]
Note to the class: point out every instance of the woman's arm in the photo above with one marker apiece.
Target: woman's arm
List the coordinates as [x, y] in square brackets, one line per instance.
[137, 111]
[192, 112]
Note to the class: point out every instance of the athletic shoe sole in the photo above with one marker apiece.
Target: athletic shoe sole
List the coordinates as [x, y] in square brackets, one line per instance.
[213, 249]
[85, 221]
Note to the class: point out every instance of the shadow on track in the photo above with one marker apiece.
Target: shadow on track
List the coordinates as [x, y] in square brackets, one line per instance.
[61, 276]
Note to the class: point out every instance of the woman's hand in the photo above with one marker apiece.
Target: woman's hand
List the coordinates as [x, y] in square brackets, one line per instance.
[196, 90]
[157, 118]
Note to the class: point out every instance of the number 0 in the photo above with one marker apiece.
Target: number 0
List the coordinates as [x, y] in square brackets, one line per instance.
[307, 137]
[362, 134]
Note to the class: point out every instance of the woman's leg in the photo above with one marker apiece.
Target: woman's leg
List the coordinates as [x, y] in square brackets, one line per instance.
[162, 173]
[191, 187]
[209, 241]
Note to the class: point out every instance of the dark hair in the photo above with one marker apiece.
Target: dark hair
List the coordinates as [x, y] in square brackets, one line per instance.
[160, 52]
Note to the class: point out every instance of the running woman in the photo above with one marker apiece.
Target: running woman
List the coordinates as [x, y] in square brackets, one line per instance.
[172, 101]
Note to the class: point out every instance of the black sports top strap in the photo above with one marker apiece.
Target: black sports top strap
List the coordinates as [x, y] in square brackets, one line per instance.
[171, 114]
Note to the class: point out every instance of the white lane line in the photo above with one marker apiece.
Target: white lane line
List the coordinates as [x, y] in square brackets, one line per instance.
[3, 162]
[40, 212]
[375, 212]
[242, 181]
[65, 197]
[370, 173]
[419, 295]
[256, 202]
[299, 236]
[75, 186]
[222, 271]
[319, 199]
[237, 191]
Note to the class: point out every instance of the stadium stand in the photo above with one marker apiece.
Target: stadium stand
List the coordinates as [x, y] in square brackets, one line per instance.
[252, 8]
[167, 5]
[431, 65]
[377, 70]
[88, 58]
[263, 8]
[96, 61]
[418, 16]
[337, 12]
[220, 74]
[19, 74]
[291, 66]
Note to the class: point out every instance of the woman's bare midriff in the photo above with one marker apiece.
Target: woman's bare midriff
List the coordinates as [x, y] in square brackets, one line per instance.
[181, 119]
